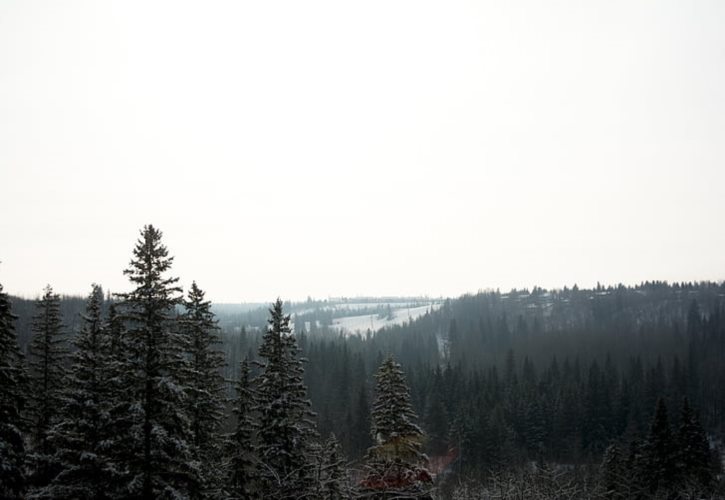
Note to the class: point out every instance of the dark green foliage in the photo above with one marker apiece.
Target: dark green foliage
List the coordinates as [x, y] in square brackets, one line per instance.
[241, 463]
[47, 381]
[615, 477]
[659, 464]
[360, 424]
[436, 418]
[13, 386]
[204, 385]
[285, 426]
[395, 464]
[579, 370]
[693, 455]
[81, 438]
[155, 446]
[393, 413]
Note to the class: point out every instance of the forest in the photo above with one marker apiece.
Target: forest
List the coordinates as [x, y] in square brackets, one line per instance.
[613, 392]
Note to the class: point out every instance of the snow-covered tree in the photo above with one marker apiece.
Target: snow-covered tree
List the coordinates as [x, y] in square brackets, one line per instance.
[285, 426]
[396, 463]
[331, 481]
[120, 419]
[613, 474]
[204, 384]
[13, 384]
[240, 455]
[47, 378]
[155, 444]
[81, 437]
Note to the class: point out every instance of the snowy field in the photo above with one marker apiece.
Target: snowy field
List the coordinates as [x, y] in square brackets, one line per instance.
[373, 322]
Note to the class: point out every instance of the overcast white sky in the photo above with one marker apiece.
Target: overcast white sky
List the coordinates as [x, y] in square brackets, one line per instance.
[362, 148]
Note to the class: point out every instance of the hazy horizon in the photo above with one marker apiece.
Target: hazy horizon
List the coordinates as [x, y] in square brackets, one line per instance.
[329, 149]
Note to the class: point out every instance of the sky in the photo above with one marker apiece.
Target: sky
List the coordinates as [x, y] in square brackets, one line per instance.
[341, 148]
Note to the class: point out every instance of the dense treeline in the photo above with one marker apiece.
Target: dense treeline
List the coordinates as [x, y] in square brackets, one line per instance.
[137, 407]
[591, 390]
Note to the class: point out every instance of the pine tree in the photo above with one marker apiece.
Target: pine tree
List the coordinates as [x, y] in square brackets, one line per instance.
[120, 420]
[155, 445]
[240, 453]
[13, 383]
[659, 465]
[693, 450]
[47, 381]
[396, 461]
[205, 384]
[81, 437]
[285, 427]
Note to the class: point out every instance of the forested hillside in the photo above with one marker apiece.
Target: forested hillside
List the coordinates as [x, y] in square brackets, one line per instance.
[614, 391]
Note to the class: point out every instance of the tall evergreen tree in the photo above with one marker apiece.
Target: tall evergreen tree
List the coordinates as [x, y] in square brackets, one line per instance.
[396, 463]
[120, 420]
[613, 473]
[285, 427]
[156, 445]
[205, 384]
[13, 385]
[659, 465]
[240, 454]
[82, 436]
[693, 450]
[47, 379]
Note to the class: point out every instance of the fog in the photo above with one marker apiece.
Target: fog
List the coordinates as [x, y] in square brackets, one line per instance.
[374, 148]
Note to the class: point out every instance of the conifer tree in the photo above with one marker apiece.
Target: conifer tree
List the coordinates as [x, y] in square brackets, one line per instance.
[396, 463]
[47, 379]
[114, 332]
[693, 449]
[613, 473]
[13, 384]
[285, 427]
[436, 418]
[659, 465]
[240, 452]
[81, 437]
[204, 384]
[120, 420]
[155, 444]
[361, 440]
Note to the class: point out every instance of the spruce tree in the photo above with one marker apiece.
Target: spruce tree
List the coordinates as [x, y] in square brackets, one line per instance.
[659, 461]
[47, 380]
[396, 463]
[285, 426]
[240, 455]
[155, 444]
[613, 473]
[82, 436]
[204, 384]
[120, 420]
[13, 385]
[693, 450]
